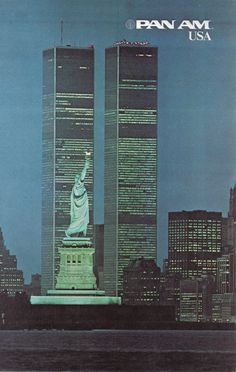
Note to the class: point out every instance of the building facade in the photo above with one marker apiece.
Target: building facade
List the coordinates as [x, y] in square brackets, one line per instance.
[231, 236]
[170, 291]
[224, 300]
[141, 283]
[34, 288]
[11, 279]
[226, 272]
[99, 253]
[191, 302]
[195, 243]
[130, 220]
[68, 110]
[224, 308]
[231, 220]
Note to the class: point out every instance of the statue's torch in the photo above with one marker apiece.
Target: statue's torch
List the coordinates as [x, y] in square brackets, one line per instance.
[87, 158]
[87, 155]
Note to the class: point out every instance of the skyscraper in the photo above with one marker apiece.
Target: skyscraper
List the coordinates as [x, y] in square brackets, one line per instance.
[68, 108]
[225, 277]
[232, 202]
[141, 282]
[223, 309]
[231, 220]
[196, 299]
[190, 301]
[226, 273]
[130, 221]
[11, 279]
[99, 253]
[195, 242]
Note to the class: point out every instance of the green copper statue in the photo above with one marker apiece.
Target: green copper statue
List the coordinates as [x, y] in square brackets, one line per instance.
[79, 208]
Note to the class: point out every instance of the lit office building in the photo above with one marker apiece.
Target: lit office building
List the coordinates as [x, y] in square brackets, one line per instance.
[231, 220]
[99, 253]
[170, 290]
[190, 301]
[11, 279]
[195, 242]
[232, 202]
[231, 237]
[226, 272]
[34, 288]
[224, 308]
[130, 226]
[141, 284]
[196, 299]
[68, 107]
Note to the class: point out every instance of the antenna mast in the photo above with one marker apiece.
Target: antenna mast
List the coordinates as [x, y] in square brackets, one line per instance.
[61, 32]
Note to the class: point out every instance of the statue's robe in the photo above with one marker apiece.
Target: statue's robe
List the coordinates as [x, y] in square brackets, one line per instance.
[79, 210]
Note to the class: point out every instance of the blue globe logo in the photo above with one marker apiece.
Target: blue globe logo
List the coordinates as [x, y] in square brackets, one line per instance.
[130, 24]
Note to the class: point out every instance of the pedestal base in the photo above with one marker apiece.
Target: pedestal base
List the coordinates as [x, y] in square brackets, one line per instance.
[78, 298]
[76, 265]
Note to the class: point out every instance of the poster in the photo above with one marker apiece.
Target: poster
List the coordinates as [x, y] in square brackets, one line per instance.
[196, 104]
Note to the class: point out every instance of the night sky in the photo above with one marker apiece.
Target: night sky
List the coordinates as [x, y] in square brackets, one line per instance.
[196, 99]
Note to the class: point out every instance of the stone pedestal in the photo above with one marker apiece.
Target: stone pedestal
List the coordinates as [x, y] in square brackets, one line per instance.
[76, 282]
[76, 265]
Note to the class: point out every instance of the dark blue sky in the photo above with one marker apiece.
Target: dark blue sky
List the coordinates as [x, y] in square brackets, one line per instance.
[196, 98]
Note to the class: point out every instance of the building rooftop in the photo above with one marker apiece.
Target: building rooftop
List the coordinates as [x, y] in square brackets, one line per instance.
[125, 42]
[142, 263]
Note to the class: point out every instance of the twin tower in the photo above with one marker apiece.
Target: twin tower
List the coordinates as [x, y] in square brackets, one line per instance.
[130, 195]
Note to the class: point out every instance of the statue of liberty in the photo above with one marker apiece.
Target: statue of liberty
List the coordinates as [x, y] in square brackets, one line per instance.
[79, 208]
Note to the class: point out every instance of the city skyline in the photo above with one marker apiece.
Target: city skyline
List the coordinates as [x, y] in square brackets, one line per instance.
[196, 107]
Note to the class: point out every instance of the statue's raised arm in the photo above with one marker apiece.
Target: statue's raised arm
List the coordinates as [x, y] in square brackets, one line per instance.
[79, 209]
[84, 171]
